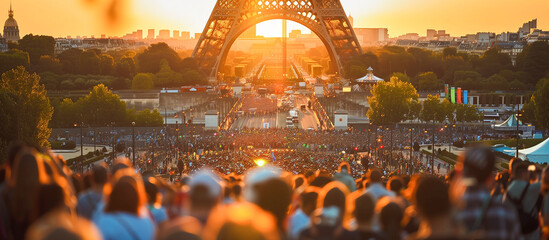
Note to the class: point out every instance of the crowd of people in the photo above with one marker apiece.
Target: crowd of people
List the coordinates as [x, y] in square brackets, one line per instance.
[300, 195]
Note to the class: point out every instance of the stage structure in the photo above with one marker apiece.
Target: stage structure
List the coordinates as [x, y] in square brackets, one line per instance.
[230, 18]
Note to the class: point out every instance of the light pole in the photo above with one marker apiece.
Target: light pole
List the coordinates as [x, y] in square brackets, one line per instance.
[517, 133]
[133, 143]
[410, 168]
[113, 141]
[81, 147]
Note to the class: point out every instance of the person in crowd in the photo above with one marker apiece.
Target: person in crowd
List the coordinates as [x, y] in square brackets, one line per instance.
[205, 193]
[125, 215]
[375, 187]
[242, 221]
[343, 176]
[301, 218]
[327, 219]
[56, 219]
[545, 205]
[89, 200]
[19, 208]
[390, 217]
[154, 199]
[274, 196]
[481, 216]
[526, 198]
[364, 210]
[433, 205]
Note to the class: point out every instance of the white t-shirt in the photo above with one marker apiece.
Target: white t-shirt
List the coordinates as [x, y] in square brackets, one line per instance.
[122, 226]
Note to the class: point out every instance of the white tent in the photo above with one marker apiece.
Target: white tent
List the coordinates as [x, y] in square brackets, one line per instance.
[370, 77]
[537, 154]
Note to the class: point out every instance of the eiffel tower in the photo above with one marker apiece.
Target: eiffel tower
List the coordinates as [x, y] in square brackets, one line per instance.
[230, 18]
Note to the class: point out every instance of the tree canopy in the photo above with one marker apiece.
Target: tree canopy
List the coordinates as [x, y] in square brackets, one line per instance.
[26, 111]
[390, 101]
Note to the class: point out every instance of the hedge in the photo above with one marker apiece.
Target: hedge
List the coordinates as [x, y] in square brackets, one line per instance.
[62, 145]
[509, 142]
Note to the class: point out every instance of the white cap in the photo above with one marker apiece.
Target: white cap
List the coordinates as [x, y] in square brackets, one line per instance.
[208, 178]
[258, 175]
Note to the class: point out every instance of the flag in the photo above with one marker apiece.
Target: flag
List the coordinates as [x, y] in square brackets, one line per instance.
[274, 158]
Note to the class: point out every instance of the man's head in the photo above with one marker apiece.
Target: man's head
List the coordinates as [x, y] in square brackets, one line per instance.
[99, 175]
[344, 167]
[374, 175]
[512, 163]
[364, 209]
[308, 200]
[478, 163]
[520, 171]
[431, 198]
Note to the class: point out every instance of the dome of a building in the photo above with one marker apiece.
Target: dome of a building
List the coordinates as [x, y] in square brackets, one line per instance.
[10, 22]
[11, 29]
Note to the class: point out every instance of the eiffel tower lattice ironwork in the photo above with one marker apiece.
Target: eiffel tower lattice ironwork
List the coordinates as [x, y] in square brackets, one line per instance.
[230, 18]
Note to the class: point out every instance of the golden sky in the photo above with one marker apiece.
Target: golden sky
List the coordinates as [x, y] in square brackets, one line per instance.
[61, 18]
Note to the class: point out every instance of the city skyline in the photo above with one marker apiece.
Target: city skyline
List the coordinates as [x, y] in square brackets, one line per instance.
[458, 19]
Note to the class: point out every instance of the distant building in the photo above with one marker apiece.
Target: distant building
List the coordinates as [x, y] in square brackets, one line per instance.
[11, 29]
[351, 20]
[175, 34]
[431, 33]
[150, 34]
[139, 34]
[163, 34]
[197, 36]
[185, 35]
[295, 34]
[372, 36]
[526, 27]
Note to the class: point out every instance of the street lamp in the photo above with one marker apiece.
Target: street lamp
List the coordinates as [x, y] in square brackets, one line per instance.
[410, 168]
[517, 133]
[81, 147]
[133, 143]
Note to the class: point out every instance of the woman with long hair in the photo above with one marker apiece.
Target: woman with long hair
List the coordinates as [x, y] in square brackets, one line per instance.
[125, 215]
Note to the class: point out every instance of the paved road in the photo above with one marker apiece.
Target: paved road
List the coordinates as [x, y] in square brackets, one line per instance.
[307, 118]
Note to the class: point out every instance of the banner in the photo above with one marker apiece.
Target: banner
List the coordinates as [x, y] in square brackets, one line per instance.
[453, 95]
[458, 95]
[465, 100]
[446, 93]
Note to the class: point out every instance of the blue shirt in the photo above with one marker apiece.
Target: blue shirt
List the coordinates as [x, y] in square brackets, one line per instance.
[124, 226]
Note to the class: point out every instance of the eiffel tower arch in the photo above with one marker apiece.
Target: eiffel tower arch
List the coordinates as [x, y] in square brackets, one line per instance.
[230, 18]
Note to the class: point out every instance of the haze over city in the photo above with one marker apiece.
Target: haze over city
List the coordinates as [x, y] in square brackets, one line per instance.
[61, 18]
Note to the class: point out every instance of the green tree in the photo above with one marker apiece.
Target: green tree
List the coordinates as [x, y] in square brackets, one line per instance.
[468, 79]
[192, 77]
[66, 114]
[166, 77]
[12, 59]
[402, 77]
[101, 107]
[148, 118]
[90, 62]
[534, 60]
[71, 60]
[540, 100]
[449, 51]
[106, 64]
[37, 46]
[125, 67]
[149, 60]
[390, 102]
[357, 71]
[29, 110]
[495, 82]
[143, 81]
[492, 62]
[415, 110]
[48, 63]
[427, 81]
[433, 110]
